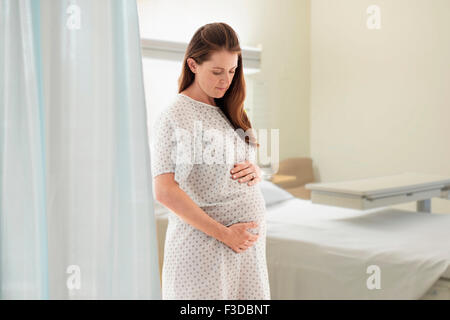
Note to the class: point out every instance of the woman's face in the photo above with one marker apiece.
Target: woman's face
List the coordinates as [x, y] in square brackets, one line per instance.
[215, 75]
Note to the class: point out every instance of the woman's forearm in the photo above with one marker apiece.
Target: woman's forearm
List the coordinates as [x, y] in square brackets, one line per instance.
[180, 203]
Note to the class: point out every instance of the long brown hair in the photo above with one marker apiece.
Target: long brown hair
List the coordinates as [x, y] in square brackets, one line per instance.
[210, 38]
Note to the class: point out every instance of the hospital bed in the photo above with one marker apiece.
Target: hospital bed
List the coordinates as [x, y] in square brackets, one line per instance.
[335, 249]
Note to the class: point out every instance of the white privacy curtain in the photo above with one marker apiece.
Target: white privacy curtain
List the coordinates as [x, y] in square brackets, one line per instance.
[76, 205]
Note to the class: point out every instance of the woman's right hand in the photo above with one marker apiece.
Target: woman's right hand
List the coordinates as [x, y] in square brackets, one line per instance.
[238, 238]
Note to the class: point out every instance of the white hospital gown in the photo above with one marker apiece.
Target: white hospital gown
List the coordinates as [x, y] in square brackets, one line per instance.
[197, 266]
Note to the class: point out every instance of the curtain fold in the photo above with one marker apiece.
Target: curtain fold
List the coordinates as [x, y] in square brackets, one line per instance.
[77, 218]
[23, 229]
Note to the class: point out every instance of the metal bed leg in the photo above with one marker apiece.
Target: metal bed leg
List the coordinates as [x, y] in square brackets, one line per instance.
[424, 205]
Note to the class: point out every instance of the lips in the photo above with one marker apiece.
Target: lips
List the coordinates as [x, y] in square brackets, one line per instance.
[221, 88]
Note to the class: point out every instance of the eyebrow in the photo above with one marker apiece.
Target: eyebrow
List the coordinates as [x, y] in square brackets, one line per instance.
[222, 68]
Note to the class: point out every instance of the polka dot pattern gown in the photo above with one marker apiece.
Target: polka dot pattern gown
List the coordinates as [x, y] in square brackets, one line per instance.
[197, 266]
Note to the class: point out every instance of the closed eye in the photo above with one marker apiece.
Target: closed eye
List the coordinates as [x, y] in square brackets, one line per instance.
[221, 73]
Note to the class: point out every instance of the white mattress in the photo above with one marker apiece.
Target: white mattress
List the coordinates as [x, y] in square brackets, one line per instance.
[439, 291]
[322, 252]
[446, 274]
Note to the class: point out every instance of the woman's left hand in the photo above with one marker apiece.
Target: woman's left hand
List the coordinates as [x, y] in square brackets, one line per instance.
[246, 172]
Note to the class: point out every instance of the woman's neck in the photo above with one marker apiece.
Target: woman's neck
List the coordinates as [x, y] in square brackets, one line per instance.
[198, 94]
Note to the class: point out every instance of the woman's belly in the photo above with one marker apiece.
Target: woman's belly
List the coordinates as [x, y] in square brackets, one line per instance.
[224, 199]
[239, 203]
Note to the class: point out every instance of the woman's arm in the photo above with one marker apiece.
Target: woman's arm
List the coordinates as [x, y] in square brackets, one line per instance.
[168, 193]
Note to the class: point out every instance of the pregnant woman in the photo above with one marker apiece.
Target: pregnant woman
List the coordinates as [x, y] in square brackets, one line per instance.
[215, 245]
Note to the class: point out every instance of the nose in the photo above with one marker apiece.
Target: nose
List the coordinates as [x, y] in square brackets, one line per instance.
[226, 80]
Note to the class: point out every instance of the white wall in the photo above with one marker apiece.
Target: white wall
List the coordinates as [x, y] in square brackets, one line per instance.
[380, 99]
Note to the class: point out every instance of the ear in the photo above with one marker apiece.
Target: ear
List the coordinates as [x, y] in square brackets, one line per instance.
[192, 65]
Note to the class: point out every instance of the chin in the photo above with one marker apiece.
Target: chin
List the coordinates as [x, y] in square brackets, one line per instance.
[220, 95]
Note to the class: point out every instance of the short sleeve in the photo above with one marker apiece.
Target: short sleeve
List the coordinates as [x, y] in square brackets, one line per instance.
[163, 145]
